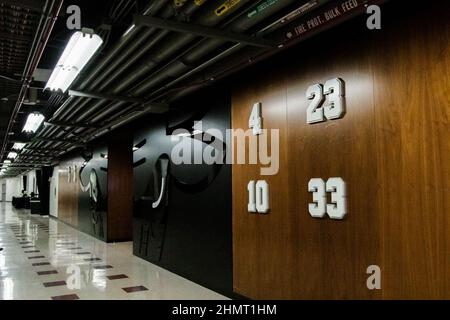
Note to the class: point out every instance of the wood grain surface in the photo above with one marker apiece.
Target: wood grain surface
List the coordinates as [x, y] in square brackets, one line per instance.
[392, 148]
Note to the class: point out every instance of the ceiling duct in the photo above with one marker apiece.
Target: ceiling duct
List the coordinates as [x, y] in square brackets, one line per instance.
[159, 63]
[31, 98]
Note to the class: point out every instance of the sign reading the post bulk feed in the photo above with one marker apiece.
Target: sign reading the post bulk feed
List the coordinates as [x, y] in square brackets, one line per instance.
[328, 15]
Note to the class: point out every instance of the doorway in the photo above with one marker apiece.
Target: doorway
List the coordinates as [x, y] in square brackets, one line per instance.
[4, 192]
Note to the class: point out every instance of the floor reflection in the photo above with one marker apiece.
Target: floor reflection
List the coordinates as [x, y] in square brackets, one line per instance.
[44, 259]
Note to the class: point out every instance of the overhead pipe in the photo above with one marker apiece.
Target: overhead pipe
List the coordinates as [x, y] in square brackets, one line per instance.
[238, 63]
[111, 125]
[218, 43]
[45, 27]
[200, 30]
[36, 37]
[182, 64]
[170, 47]
[189, 10]
[105, 64]
[70, 105]
[136, 116]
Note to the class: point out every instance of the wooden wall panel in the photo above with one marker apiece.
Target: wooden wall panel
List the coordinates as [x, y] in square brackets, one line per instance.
[263, 248]
[67, 196]
[332, 256]
[412, 99]
[392, 149]
[74, 206]
[120, 187]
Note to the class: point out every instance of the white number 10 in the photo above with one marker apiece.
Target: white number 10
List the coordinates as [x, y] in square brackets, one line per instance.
[258, 197]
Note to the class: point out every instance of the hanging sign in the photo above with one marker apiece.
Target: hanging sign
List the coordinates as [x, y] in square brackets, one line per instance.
[330, 15]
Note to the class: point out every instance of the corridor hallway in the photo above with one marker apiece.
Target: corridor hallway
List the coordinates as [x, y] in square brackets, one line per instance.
[40, 251]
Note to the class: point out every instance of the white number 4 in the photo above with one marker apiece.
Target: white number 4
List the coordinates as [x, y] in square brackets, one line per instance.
[255, 121]
[338, 207]
[333, 108]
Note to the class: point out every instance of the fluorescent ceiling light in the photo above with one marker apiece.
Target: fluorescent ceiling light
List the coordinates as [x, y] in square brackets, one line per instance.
[80, 49]
[12, 155]
[7, 162]
[18, 146]
[33, 123]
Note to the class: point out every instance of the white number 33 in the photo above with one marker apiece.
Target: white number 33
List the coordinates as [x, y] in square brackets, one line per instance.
[338, 207]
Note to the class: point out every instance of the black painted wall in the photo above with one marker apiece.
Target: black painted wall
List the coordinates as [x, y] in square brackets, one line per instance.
[43, 176]
[79, 203]
[92, 216]
[190, 234]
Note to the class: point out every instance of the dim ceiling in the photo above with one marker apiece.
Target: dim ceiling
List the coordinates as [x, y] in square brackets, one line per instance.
[154, 53]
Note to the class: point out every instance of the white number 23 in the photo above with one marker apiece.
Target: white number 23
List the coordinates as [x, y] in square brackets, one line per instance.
[333, 107]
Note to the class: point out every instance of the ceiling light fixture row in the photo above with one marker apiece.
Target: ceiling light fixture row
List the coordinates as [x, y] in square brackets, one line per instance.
[79, 51]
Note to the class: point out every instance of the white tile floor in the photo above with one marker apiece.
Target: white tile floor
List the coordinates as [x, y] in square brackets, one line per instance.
[45, 240]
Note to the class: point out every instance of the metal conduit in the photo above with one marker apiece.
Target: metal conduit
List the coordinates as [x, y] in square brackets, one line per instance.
[67, 107]
[202, 51]
[232, 50]
[152, 9]
[193, 59]
[183, 64]
[190, 9]
[170, 47]
[45, 26]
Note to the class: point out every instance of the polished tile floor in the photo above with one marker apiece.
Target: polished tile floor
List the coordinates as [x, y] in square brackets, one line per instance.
[44, 259]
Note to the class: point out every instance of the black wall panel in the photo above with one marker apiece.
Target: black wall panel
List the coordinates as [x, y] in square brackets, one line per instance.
[190, 233]
[92, 215]
[77, 206]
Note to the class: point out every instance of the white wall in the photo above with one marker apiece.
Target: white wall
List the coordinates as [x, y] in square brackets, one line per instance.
[54, 192]
[31, 182]
[13, 187]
